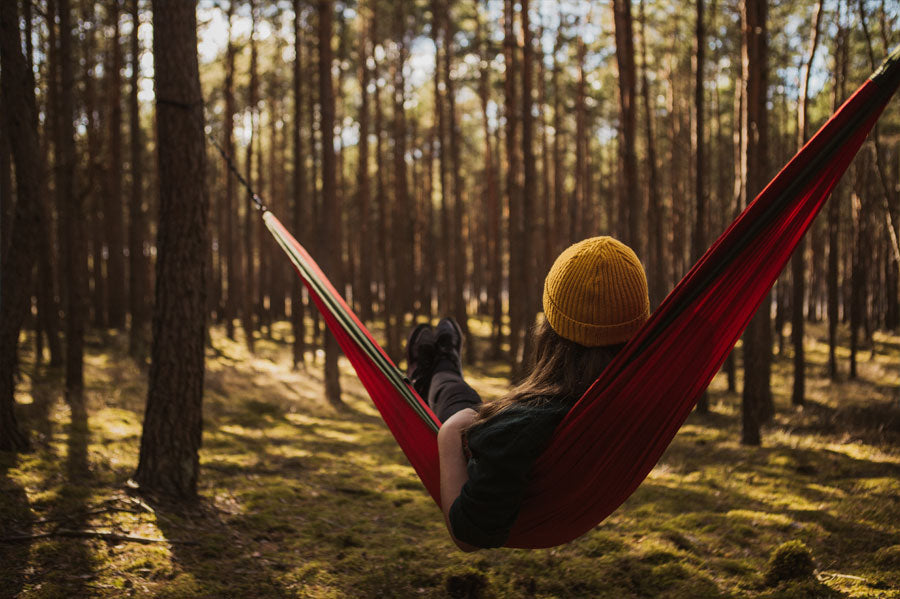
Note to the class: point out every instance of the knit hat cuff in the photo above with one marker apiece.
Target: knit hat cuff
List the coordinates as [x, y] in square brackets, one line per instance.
[592, 335]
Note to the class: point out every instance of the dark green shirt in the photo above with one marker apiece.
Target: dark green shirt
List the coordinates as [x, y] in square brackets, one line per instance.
[503, 451]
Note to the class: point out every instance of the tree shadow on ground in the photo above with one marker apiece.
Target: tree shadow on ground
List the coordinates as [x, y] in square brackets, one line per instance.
[217, 559]
[15, 520]
[70, 512]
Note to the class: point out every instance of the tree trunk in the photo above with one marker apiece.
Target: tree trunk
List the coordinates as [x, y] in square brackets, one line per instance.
[363, 288]
[757, 394]
[95, 234]
[456, 249]
[299, 209]
[698, 240]
[138, 284]
[384, 238]
[234, 263]
[513, 189]
[331, 216]
[250, 322]
[492, 197]
[18, 265]
[6, 187]
[445, 290]
[798, 276]
[112, 210]
[656, 247]
[169, 462]
[403, 223]
[560, 235]
[629, 209]
[526, 220]
[578, 198]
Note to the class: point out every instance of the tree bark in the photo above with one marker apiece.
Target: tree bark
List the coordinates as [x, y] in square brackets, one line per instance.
[456, 249]
[492, 197]
[841, 57]
[526, 220]
[403, 208]
[798, 276]
[757, 394]
[656, 247]
[698, 239]
[629, 209]
[113, 202]
[363, 179]
[169, 462]
[137, 263]
[331, 216]
[299, 209]
[18, 265]
[513, 188]
[250, 322]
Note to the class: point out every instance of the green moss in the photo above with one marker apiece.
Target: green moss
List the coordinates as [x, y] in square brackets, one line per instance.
[805, 589]
[299, 500]
[790, 561]
[888, 557]
[465, 583]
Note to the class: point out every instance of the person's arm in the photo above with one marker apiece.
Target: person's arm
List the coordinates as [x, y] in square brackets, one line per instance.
[453, 464]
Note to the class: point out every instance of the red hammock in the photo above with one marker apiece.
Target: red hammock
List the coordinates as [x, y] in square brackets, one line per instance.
[618, 430]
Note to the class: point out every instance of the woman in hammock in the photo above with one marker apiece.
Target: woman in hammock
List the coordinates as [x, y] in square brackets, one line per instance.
[595, 299]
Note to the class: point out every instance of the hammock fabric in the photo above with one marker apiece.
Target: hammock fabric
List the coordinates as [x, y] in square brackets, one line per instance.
[619, 429]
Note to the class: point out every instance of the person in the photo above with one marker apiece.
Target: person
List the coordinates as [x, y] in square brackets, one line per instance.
[594, 300]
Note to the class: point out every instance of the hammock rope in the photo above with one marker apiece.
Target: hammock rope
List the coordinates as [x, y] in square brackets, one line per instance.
[616, 433]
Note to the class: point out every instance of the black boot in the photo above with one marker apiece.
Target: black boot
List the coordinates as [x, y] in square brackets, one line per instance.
[449, 343]
[420, 358]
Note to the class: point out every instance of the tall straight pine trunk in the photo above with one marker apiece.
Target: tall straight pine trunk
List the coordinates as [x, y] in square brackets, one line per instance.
[331, 216]
[169, 461]
[757, 393]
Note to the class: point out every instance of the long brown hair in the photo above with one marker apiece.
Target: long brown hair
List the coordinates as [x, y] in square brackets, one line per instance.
[561, 371]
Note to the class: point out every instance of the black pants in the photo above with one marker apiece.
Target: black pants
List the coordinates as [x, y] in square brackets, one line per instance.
[449, 393]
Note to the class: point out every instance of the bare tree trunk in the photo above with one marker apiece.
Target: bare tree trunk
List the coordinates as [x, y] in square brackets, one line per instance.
[445, 290]
[363, 180]
[250, 322]
[544, 237]
[527, 218]
[169, 461]
[234, 262]
[698, 240]
[492, 197]
[559, 202]
[403, 223]
[629, 209]
[513, 189]
[457, 250]
[331, 216]
[579, 198]
[385, 241]
[798, 395]
[137, 282]
[757, 395]
[113, 204]
[6, 186]
[94, 213]
[656, 247]
[18, 265]
[297, 309]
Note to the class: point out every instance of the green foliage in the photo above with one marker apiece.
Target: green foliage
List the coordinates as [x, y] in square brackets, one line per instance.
[790, 561]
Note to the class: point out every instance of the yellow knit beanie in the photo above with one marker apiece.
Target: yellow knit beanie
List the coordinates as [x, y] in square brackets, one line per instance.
[596, 293]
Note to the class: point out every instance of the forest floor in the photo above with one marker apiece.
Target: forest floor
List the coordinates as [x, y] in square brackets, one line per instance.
[301, 500]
